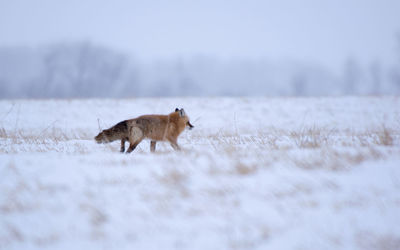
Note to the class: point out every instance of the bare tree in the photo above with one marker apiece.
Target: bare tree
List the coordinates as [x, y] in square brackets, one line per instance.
[376, 77]
[299, 84]
[82, 70]
[395, 72]
[352, 76]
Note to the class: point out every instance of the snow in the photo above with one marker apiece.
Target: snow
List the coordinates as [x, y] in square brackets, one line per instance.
[254, 173]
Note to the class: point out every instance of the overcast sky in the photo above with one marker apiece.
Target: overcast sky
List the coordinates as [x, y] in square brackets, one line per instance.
[325, 32]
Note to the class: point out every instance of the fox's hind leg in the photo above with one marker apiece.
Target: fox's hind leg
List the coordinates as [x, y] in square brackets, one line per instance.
[123, 144]
[132, 146]
[153, 146]
[135, 137]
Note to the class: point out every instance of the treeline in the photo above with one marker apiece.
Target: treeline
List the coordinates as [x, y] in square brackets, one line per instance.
[87, 70]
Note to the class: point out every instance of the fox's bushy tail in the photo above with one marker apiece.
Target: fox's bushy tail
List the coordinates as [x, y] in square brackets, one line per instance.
[116, 132]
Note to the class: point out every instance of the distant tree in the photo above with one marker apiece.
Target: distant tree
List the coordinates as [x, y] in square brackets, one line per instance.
[163, 88]
[299, 84]
[376, 77]
[48, 76]
[3, 89]
[352, 76]
[82, 70]
[186, 85]
[395, 74]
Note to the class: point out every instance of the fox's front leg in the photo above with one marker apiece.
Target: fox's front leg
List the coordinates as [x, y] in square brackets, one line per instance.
[175, 146]
[153, 146]
[174, 143]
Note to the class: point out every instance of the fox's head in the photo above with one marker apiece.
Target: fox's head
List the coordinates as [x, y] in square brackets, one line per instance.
[101, 137]
[183, 116]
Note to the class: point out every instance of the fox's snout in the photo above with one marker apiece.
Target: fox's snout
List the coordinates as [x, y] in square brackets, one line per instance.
[99, 138]
[189, 125]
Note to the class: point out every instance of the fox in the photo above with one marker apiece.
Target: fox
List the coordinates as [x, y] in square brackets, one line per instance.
[153, 127]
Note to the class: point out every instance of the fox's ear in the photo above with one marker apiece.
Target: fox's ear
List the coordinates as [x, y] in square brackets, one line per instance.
[176, 110]
[182, 113]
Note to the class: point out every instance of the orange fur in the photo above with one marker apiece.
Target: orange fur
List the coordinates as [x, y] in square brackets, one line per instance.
[153, 127]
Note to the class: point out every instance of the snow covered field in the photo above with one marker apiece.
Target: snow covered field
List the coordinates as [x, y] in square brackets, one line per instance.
[255, 173]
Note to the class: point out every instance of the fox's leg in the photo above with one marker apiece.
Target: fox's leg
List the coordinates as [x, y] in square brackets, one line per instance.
[175, 146]
[153, 146]
[135, 137]
[132, 146]
[174, 143]
[123, 145]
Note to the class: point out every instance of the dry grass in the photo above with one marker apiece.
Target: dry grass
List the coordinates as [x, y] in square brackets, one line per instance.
[304, 138]
[322, 148]
[3, 133]
[175, 179]
[371, 241]
[384, 137]
[48, 140]
[244, 169]
[312, 137]
[54, 135]
[96, 217]
[335, 159]
[307, 148]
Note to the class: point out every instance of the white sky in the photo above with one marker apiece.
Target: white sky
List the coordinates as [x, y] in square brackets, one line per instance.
[322, 31]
